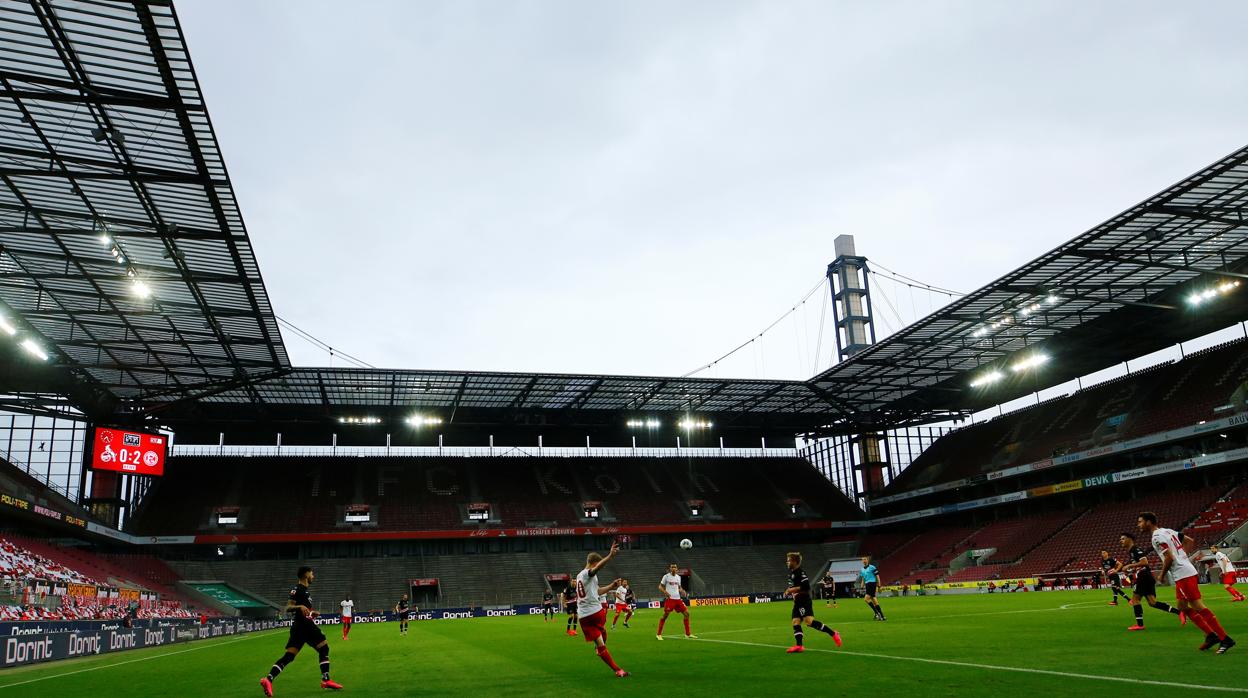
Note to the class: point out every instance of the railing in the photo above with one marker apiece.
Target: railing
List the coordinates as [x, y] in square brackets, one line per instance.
[478, 452]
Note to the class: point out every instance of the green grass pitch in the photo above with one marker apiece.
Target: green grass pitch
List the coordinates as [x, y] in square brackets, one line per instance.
[1059, 643]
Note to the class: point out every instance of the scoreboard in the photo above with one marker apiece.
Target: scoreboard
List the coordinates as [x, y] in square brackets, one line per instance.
[129, 451]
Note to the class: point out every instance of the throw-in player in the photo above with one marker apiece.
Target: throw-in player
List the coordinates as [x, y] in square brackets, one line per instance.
[1172, 548]
[620, 593]
[548, 605]
[404, 611]
[1145, 584]
[348, 607]
[1109, 570]
[568, 598]
[803, 606]
[674, 600]
[870, 575]
[302, 632]
[1227, 570]
[591, 605]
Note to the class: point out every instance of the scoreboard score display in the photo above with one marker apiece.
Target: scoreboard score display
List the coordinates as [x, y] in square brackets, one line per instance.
[128, 451]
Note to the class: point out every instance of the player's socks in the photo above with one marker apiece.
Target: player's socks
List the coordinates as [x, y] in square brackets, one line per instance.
[798, 636]
[1163, 606]
[1139, 615]
[659, 632]
[605, 656]
[324, 653]
[1201, 622]
[280, 664]
[687, 631]
[818, 625]
[1214, 625]
[878, 611]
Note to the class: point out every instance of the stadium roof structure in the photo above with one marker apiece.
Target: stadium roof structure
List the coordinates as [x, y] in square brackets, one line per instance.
[122, 250]
[123, 256]
[1152, 276]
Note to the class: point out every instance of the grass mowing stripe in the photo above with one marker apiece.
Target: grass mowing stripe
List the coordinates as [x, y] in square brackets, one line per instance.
[994, 667]
[204, 646]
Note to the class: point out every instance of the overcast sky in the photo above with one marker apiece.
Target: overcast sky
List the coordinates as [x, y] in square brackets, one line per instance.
[638, 187]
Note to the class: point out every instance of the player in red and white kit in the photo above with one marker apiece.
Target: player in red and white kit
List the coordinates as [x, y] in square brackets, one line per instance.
[348, 607]
[591, 605]
[1227, 569]
[675, 595]
[621, 604]
[1172, 548]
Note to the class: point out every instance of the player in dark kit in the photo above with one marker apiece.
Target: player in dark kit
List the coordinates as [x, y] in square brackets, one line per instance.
[1145, 583]
[404, 609]
[302, 632]
[548, 605]
[1109, 570]
[803, 606]
[569, 607]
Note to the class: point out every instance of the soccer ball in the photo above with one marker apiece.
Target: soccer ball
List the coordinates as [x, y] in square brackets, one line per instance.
[685, 544]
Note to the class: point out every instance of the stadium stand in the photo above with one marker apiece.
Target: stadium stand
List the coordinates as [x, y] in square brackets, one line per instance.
[487, 579]
[1077, 546]
[26, 562]
[1152, 400]
[308, 494]
[1227, 514]
[917, 558]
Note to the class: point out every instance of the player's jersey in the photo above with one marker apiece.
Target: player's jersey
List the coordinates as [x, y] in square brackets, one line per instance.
[671, 585]
[1137, 554]
[869, 574]
[621, 595]
[629, 598]
[1224, 562]
[569, 598]
[402, 606]
[1166, 540]
[347, 607]
[1108, 565]
[798, 578]
[547, 597]
[588, 601]
[301, 597]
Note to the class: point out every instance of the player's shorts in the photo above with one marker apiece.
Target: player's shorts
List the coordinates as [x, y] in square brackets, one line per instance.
[570, 609]
[621, 607]
[802, 607]
[1113, 580]
[305, 632]
[674, 606]
[346, 620]
[548, 606]
[1145, 585]
[1228, 578]
[1187, 588]
[870, 587]
[594, 626]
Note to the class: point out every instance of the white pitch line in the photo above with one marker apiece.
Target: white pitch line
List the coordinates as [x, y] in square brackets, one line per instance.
[1064, 607]
[131, 661]
[997, 667]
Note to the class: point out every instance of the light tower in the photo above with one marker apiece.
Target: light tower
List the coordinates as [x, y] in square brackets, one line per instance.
[855, 331]
[851, 299]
